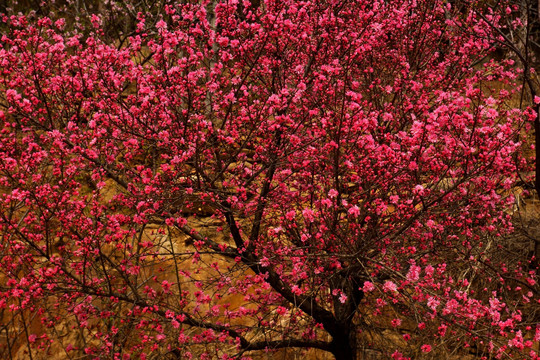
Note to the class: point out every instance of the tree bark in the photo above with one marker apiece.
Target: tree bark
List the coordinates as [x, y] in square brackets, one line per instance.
[344, 345]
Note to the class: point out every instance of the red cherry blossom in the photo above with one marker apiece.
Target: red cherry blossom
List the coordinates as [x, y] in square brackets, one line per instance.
[234, 177]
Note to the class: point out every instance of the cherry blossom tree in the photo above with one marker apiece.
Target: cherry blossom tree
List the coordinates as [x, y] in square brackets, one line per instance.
[242, 178]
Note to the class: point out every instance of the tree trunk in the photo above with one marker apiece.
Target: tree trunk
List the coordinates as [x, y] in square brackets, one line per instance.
[345, 353]
[344, 345]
